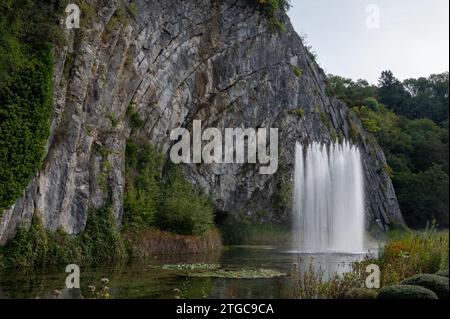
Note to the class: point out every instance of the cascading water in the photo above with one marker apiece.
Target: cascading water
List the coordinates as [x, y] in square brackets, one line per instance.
[329, 198]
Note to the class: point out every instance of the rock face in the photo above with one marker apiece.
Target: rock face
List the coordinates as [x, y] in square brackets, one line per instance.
[177, 61]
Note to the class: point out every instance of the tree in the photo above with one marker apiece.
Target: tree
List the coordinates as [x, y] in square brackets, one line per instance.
[424, 197]
[392, 93]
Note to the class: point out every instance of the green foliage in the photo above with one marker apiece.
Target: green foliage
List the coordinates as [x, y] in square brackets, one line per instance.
[410, 253]
[437, 284]
[171, 205]
[271, 8]
[241, 230]
[191, 267]
[88, 13]
[142, 197]
[35, 247]
[326, 121]
[443, 273]
[423, 196]
[298, 71]
[405, 292]
[311, 284]
[27, 30]
[28, 248]
[26, 108]
[101, 241]
[135, 119]
[361, 294]
[184, 210]
[300, 112]
[240, 274]
[416, 98]
[132, 9]
[416, 148]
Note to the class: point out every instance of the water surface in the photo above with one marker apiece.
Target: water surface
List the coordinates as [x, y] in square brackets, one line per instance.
[149, 280]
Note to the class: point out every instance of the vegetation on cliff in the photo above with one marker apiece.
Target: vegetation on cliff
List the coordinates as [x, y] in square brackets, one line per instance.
[410, 121]
[27, 31]
[169, 203]
[36, 247]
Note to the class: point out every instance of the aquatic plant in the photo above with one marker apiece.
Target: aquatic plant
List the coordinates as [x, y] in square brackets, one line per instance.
[240, 274]
[191, 267]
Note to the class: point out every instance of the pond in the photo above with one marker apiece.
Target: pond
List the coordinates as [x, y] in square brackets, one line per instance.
[167, 277]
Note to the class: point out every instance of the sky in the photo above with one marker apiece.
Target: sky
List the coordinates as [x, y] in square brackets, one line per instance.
[359, 39]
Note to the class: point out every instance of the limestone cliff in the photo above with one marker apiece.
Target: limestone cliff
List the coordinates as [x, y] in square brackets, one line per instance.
[175, 61]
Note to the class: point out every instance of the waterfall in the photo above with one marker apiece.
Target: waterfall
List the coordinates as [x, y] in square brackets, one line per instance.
[329, 198]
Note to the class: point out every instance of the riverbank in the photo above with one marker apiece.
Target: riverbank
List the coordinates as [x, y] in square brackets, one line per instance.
[100, 244]
[404, 255]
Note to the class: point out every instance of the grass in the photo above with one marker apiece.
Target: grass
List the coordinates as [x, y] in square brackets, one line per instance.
[404, 255]
[312, 285]
[410, 253]
[145, 244]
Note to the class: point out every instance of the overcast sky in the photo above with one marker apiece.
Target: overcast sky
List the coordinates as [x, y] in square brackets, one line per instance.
[410, 37]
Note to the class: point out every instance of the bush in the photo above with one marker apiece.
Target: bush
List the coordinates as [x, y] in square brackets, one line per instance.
[438, 284]
[409, 253]
[27, 31]
[101, 241]
[361, 293]
[184, 211]
[241, 230]
[270, 8]
[443, 273]
[298, 71]
[35, 247]
[25, 111]
[142, 196]
[406, 292]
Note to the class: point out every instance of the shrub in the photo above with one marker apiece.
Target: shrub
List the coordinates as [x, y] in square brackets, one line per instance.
[300, 112]
[26, 108]
[443, 273]
[438, 284]
[241, 230]
[270, 8]
[361, 293]
[101, 241]
[142, 196]
[236, 230]
[135, 120]
[27, 31]
[28, 248]
[298, 71]
[406, 292]
[408, 253]
[36, 247]
[311, 284]
[184, 211]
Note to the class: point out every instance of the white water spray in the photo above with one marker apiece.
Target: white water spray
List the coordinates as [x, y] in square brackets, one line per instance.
[329, 198]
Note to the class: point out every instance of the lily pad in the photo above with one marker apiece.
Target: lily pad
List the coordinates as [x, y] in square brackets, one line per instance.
[241, 274]
[191, 267]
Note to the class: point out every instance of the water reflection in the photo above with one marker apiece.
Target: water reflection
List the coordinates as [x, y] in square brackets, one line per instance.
[149, 280]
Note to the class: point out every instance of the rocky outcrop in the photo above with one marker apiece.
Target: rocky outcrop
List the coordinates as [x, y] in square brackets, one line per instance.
[175, 61]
